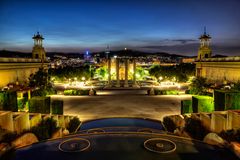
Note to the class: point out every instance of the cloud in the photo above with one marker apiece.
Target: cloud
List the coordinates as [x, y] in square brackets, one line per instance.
[184, 41]
[192, 49]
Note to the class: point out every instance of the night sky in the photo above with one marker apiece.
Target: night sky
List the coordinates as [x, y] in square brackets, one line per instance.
[172, 26]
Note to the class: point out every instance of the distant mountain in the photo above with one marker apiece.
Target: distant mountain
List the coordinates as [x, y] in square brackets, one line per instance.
[134, 53]
[14, 54]
[131, 53]
[218, 56]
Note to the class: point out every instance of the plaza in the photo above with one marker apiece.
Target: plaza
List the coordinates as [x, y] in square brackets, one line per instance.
[122, 103]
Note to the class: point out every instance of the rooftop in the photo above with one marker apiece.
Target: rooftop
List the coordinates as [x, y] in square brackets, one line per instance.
[222, 59]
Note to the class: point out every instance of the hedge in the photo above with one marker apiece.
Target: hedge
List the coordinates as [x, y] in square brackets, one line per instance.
[164, 92]
[43, 92]
[57, 107]
[39, 105]
[202, 104]
[186, 106]
[77, 92]
[8, 101]
[226, 100]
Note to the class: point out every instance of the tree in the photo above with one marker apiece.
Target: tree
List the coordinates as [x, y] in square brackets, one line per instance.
[199, 86]
[155, 71]
[141, 73]
[180, 73]
[40, 79]
[69, 72]
[101, 72]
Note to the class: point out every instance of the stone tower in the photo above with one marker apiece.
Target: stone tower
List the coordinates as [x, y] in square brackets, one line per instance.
[204, 51]
[38, 51]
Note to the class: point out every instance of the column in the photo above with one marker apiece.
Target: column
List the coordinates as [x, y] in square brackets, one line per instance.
[109, 72]
[126, 73]
[117, 73]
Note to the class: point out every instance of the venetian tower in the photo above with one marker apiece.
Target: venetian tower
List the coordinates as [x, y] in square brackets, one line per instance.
[38, 51]
[204, 51]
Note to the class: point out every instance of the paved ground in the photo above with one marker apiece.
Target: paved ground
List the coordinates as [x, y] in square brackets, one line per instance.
[122, 103]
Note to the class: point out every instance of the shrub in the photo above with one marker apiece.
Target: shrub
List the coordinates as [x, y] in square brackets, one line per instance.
[39, 105]
[57, 107]
[159, 92]
[45, 129]
[195, 128]
[22, 103]
[8, 101]
[73, 124]
[199, 86]
[8, 137]
[67, 92]
[77, 92]
[172, 92]
[44, 92]
[165, 92]
[187, 91]
[231, 135]
[186, 106]
[169, 124]
[202, 104]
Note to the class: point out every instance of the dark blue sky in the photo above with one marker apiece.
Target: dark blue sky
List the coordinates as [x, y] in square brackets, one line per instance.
[148, 25]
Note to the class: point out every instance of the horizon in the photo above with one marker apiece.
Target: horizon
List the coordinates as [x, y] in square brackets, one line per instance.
[148, 26]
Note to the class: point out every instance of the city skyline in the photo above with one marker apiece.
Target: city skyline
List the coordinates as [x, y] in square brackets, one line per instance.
[152, 26]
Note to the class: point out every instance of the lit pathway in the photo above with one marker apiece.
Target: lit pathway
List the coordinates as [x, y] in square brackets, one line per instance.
[122, 103]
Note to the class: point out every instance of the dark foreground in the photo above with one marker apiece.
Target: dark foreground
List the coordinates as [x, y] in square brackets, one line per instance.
[128, 140]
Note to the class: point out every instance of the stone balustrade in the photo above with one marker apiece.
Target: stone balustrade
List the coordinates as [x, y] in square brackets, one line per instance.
[20, 121]
[216, 121]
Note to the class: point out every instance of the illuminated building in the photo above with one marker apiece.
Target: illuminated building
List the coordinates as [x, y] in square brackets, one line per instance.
[217, 70]
[18, 70]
